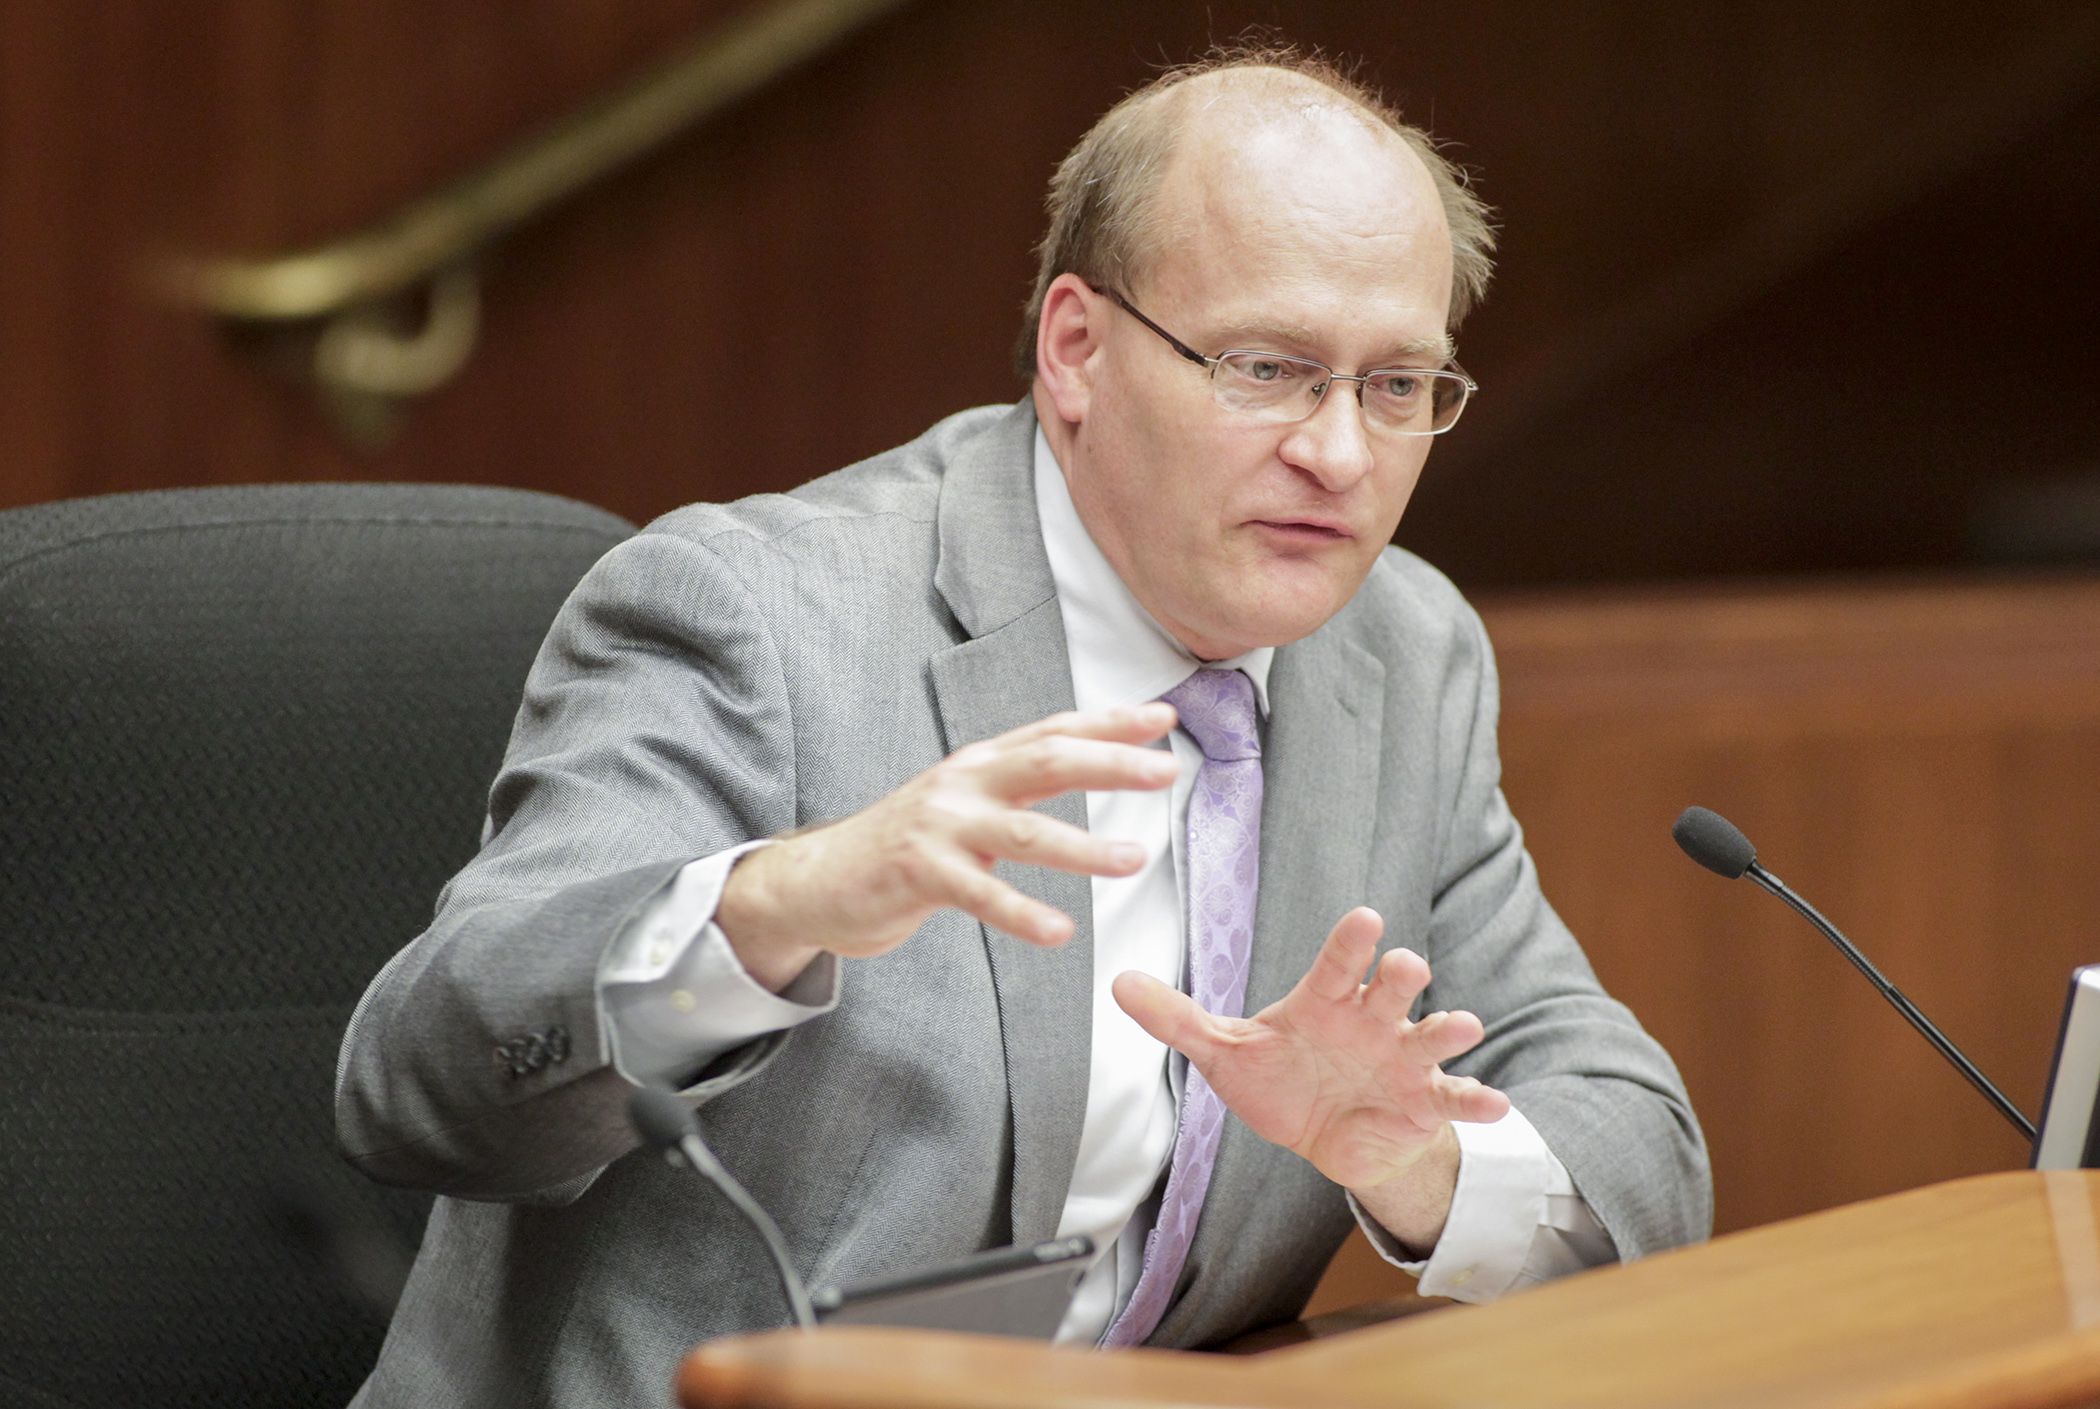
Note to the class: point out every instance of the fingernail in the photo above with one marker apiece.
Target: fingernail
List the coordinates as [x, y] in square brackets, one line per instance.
[1127, 854]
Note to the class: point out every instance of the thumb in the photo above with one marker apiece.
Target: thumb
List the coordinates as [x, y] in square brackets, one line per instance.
[1168, 1014]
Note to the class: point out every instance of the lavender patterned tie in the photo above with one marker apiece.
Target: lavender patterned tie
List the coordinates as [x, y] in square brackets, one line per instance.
[1224, 861]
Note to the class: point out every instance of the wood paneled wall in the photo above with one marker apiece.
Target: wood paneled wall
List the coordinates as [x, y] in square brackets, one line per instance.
[1921, 762]
[1743, 239]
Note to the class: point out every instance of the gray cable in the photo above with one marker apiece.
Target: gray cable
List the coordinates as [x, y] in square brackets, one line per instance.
[703, 1159]
[664, 1122]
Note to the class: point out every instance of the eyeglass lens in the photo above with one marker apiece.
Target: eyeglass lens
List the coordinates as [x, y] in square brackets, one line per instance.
[1277, 388]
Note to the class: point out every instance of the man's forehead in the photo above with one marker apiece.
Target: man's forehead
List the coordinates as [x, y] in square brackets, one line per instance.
[1263, 217]
[1286, 172]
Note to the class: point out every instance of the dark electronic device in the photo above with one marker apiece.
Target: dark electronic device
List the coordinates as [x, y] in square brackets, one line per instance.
[1007, 1291]
[2070, 1137]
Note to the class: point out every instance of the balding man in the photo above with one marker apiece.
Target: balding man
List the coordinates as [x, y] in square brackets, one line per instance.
[1137, 863]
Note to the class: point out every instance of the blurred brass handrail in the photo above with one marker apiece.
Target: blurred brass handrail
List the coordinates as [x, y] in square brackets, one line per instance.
[443, 229]
[366, 362]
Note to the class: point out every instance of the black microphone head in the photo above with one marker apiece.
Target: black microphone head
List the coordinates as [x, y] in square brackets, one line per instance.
[1712, 840]
[660, 1116]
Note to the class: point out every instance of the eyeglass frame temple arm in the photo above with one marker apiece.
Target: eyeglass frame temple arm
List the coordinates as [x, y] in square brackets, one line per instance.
[1176, 343]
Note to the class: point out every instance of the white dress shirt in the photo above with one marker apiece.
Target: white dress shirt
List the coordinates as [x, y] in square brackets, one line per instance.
[673, 996]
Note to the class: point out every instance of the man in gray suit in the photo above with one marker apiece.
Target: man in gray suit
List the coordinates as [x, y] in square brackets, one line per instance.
[854, 814]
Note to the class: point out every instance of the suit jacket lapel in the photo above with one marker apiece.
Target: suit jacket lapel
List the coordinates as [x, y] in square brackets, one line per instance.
[1319, 803]
[995, 578]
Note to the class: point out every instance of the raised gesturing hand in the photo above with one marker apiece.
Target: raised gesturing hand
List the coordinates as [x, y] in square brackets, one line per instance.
[860, 886]
[1334, 1071]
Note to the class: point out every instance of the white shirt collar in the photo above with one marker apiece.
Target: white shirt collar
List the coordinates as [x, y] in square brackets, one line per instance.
[1120, 655]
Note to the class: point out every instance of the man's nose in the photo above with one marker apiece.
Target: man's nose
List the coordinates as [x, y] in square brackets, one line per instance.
[1331, 444]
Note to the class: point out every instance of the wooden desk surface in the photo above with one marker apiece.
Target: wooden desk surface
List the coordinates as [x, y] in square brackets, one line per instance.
[1982, 1293]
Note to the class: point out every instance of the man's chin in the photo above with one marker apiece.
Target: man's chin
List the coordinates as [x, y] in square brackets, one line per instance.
[1270, 621]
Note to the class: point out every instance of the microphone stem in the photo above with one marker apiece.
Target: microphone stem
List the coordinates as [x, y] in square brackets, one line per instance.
[1896, 999]
[700, 1157]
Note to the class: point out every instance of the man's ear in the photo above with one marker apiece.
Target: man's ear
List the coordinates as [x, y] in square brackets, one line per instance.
[1068, 345]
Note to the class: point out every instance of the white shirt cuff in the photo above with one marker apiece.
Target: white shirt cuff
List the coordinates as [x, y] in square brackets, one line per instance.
[1516, 1218]
[672, 995]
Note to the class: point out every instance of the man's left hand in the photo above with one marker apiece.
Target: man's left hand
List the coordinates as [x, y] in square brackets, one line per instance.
[1335, 1072]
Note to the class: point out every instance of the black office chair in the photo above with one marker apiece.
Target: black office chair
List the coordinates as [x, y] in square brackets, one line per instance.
[245, 736]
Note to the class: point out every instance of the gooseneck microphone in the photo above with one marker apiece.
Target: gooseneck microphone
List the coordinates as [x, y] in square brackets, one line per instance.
[1713, 841]
[666, 1125]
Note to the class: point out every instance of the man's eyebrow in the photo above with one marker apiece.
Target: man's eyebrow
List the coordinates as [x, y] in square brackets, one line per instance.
[1238, 334]
[1438, 349]
[1264, 337]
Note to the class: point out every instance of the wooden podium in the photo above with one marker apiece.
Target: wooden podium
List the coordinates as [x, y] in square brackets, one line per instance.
[1982, 1293]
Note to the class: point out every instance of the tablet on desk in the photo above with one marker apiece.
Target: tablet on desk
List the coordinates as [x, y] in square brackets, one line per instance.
[1004, 1292]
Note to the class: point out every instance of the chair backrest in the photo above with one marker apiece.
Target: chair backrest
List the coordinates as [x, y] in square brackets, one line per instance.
[245, 736]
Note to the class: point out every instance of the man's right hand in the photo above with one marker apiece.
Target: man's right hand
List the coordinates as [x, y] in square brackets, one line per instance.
[860, 887]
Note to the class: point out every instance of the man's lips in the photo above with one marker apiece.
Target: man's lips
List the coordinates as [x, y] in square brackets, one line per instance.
[1310, 530]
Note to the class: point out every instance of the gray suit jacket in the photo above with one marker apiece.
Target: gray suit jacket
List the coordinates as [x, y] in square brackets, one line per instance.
[737, 670]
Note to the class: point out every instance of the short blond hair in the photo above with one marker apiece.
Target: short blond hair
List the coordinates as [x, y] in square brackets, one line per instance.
[1102, 222]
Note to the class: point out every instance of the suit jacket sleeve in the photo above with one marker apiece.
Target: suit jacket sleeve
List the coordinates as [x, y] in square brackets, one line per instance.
[654, 730]
[1603, 1093]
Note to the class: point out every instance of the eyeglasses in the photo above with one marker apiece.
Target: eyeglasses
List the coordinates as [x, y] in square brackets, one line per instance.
[1269, 386]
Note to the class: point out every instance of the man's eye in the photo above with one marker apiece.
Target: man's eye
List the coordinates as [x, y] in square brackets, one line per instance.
[1255, 369]
[1400, 386]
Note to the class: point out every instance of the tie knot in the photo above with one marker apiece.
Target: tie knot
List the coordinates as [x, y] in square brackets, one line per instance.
[1217, 708]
